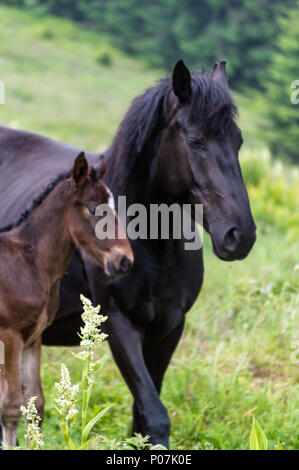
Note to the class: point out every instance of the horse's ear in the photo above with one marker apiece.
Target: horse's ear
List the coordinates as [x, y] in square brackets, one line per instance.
[80, 169]
[219, 73]
[102, 169]
[181, 81]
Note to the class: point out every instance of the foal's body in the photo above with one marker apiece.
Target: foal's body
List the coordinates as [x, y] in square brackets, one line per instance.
[28, 303]
[40, 249]
[33, 258]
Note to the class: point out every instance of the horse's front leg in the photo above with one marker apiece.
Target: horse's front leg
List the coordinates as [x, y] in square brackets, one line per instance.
[10, 386]
[31, 380]
[157, 356]
[125, 341]
[126, 346]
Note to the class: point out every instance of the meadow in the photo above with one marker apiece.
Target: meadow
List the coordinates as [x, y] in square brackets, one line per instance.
[237, 357]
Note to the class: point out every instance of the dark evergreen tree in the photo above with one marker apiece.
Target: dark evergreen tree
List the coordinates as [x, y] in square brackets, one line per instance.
[199, 31]
[284, 114]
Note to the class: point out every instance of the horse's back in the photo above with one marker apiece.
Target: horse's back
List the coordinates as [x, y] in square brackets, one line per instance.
[28, 162]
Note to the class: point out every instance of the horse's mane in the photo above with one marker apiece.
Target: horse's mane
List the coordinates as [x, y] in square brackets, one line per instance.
[211, 106]
[36, 201]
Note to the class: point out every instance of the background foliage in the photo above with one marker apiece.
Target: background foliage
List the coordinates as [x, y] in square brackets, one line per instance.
[259, 38]
[243, 31]
[236, 358]
[284, 69]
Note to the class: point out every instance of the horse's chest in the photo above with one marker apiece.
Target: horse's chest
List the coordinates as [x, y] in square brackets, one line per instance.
[166, 299]
[168, 290]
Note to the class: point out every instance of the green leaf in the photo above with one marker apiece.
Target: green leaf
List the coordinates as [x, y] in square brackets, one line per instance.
[82, 447]
[72, 445]
[258, 440]
[78, 357]
[100, 362]
[92, 422]
[279, 445]
[158, 447]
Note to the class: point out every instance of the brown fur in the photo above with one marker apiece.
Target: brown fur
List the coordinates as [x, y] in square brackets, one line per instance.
[33, 258]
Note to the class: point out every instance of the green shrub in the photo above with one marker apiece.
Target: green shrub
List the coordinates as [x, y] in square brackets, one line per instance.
[44, 31]
[105, 55]
[273, 191]
[256, 166]
[283, 113]
[47, 34]
[104, 58]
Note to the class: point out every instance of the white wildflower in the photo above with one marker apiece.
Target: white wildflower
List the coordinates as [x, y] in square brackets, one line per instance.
[33, 434]
[67, 393]
[91, 334]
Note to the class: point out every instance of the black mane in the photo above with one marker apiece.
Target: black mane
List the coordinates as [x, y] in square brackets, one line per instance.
[211, 106]
[36, 202]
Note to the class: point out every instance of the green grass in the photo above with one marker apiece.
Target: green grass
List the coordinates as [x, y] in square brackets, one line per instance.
[234, 359]
[235, 356]
[55, 83]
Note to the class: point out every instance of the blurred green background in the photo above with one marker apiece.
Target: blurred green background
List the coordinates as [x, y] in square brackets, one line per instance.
[259, 38]
[72, 79]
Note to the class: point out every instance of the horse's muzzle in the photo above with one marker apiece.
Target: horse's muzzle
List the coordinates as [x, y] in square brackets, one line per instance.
[235, 244]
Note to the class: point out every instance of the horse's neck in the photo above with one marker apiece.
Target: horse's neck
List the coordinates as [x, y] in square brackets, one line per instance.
[141, 184]
[47, 233]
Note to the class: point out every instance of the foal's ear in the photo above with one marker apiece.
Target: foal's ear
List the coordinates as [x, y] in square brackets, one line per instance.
[181, 81]
[102, 169]
[219, 73]
[80, 169]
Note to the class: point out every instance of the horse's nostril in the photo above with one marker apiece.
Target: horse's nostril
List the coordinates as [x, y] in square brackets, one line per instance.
[120, 268]
[231, 239]
[125, 264]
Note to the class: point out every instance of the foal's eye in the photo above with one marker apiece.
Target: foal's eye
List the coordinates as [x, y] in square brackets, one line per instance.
[196, 143]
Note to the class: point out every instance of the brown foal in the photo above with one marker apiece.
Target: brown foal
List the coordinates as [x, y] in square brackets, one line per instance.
[34, 255]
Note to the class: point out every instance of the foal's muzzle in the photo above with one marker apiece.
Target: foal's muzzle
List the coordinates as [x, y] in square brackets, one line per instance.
[119, 267]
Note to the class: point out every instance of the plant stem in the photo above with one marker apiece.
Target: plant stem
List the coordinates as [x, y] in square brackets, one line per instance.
[85, 393]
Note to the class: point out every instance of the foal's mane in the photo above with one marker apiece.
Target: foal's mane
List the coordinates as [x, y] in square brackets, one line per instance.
[36, 201]
[211, 106]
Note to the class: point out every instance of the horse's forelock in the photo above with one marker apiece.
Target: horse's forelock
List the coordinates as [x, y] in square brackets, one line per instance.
[211, 106]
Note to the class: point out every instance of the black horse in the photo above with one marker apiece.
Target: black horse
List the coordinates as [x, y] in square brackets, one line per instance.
[178, 142]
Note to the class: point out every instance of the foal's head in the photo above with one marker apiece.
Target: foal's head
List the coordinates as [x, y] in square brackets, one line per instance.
[198, 157]
[113, 253]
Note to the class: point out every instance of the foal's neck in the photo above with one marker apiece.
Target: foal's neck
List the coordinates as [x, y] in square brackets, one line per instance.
[47, 233]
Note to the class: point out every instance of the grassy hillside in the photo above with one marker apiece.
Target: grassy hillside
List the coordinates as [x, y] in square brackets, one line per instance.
[235, 358]
[56, 83]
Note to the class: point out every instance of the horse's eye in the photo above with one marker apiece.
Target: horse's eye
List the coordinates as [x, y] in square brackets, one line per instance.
[92, 210]
[196, 142]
